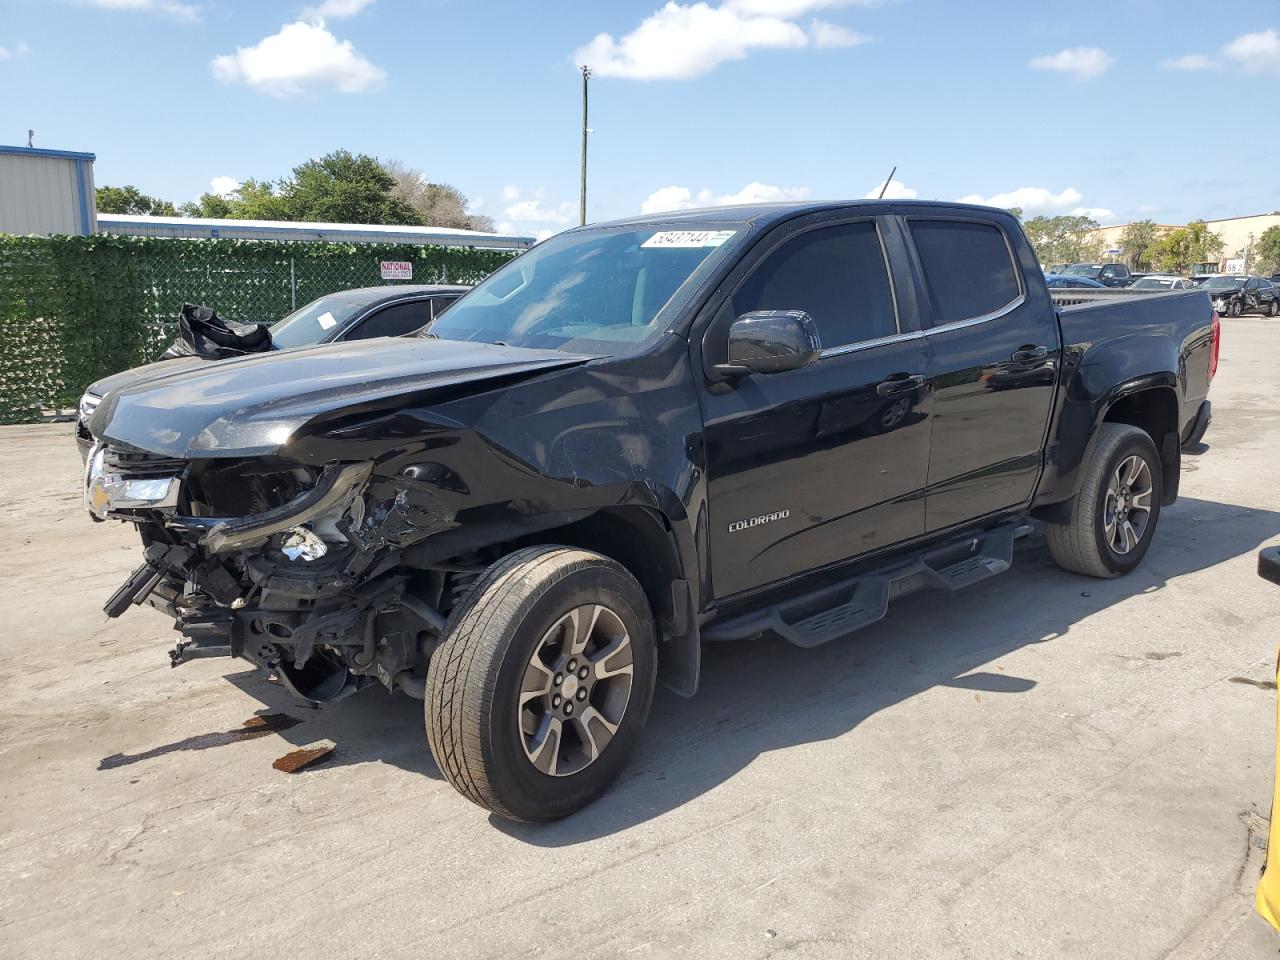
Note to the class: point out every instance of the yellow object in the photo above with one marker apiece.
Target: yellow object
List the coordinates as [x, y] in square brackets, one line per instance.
[1267, 899]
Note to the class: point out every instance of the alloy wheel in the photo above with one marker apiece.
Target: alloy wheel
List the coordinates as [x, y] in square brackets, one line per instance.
[575, 690]
[1128, 508]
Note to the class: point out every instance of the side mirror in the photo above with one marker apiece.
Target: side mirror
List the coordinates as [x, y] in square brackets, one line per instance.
[771, 341]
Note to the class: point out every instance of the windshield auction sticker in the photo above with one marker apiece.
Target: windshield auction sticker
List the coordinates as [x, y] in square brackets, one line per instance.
[688, 238]
[326, 319]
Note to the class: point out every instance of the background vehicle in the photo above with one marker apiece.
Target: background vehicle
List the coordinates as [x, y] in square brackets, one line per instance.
[1053, 280]
[1236, 295]
[639, 435]
[1108, 274]
[359, 314]
[1161, 281]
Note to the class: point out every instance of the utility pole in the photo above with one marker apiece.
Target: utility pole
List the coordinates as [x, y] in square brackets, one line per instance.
[582, 195]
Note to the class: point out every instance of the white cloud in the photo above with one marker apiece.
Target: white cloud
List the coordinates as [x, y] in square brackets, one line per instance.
[682, 198]
[790, 9]
[897, 190]
[224, 186]
[535, 211]
[1191, 62]
[302, 56]
[1256, 52]
[1032, 200]
[336, 9]
[682, 41]
[178, 10]
[1093, 213]
[21, 50]
[533, 208]
[1083, 63]
[828, 35]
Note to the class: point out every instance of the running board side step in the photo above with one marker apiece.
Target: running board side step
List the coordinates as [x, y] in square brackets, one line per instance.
[838, 610]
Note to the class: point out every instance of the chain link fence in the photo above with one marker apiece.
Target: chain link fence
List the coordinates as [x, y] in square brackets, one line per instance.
[75, 309]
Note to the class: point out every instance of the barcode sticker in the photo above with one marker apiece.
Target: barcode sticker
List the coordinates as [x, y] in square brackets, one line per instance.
[684, 239]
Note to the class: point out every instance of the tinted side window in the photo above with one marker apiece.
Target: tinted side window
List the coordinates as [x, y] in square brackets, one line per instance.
[835, 274]
[967, 268]
[393, 321]
[440, 304]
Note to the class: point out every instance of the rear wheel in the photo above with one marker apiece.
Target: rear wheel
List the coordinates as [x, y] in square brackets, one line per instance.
[1115, 514]
[543, 682]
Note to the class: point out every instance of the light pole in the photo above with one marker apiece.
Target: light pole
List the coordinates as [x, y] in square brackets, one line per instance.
[582, 194]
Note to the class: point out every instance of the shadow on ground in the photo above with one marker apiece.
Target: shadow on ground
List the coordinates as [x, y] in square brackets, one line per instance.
[761, 695]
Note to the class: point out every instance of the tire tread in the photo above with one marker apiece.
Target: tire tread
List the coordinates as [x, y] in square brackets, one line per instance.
[460, 684]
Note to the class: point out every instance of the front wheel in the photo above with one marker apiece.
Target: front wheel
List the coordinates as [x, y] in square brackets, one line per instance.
[1115, 514]
[1274, 309]
[1235, 309]
[542, 683]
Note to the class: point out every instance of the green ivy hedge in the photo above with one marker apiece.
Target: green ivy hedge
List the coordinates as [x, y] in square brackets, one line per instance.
[74, 309]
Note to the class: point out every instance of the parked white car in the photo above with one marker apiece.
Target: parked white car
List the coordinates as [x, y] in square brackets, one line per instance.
[1162, 281]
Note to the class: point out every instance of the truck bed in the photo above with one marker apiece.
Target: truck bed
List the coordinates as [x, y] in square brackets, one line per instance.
[1073, 297]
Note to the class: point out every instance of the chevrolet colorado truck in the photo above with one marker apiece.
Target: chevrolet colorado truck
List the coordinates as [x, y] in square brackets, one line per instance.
[636, 437]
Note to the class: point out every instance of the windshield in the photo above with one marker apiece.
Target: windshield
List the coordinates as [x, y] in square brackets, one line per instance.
[1222, 283]
[1083, 270]
[308, 325]
[1153, 283]
[611, 288]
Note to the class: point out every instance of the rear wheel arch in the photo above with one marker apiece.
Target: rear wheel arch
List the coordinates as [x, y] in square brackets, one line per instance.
[1154, 409]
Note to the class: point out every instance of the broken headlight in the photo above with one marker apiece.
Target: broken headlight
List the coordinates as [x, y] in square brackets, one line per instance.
[110, 485]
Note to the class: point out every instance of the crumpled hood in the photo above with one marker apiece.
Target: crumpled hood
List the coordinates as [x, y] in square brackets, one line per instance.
[252, 405]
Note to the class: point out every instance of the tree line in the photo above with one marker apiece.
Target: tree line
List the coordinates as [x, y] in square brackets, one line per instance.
[1145, 245]
[340, 187]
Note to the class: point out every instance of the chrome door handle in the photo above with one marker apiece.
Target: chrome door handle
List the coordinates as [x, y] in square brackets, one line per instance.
[1029, 354]
[896, 385]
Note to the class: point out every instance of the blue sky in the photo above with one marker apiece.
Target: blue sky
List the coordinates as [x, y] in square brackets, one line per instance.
[1128, 108]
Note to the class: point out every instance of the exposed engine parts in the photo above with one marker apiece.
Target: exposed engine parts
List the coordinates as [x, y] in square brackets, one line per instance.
[310, 587]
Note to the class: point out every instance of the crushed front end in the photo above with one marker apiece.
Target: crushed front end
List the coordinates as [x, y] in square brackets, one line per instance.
[295, 567]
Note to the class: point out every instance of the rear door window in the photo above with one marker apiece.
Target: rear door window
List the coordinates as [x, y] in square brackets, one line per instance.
[393, 321]
[968, 268]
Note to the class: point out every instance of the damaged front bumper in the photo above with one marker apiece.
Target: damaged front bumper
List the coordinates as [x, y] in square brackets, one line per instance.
[308, 585]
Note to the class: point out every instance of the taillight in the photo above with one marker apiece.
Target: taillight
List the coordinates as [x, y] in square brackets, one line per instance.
[1216, 327]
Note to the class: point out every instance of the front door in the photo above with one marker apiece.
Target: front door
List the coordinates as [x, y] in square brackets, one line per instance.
[814, 466]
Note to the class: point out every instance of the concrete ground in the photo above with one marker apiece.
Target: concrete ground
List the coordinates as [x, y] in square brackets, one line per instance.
[1044, 766]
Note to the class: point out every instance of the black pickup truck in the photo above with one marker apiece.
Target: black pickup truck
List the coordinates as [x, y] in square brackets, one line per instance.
[638, 436]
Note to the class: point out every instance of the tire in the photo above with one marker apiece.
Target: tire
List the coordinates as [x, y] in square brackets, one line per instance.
[523, 609]
[1087, 544]
[1235, 309]
[1274, 309]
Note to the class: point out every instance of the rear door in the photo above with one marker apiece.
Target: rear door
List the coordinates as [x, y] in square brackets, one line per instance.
[995, 350]
[814, 466]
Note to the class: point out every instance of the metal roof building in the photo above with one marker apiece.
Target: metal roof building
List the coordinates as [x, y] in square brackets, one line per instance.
[206, 228]
[46, 191]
